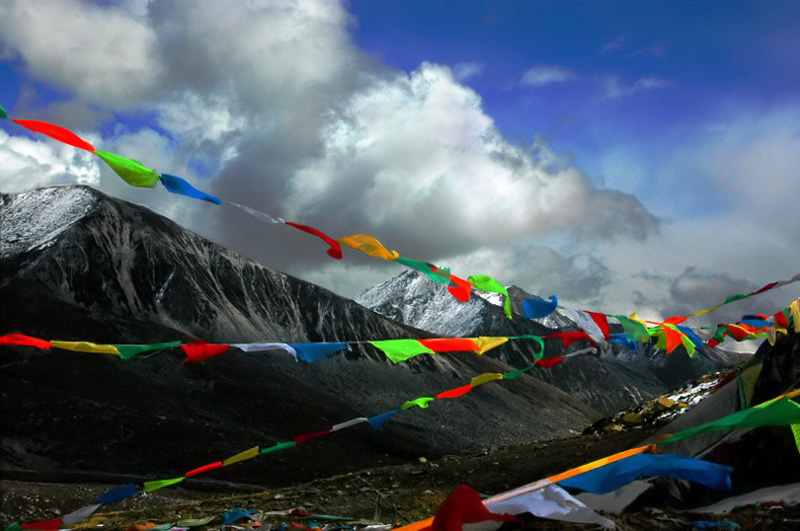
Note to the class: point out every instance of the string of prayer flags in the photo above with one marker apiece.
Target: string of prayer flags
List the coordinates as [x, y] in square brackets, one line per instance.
[534, 308]
[487, 283]
[734, 298]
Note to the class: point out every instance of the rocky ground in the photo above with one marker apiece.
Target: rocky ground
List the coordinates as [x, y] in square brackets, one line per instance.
[393, 495]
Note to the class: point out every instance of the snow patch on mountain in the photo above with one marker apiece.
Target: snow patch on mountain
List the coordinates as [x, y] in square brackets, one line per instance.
[35, 219]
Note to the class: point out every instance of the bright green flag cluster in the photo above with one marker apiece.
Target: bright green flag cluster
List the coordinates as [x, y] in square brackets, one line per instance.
[3, 113]
[423, 403]
[132, 172]
[487, 283]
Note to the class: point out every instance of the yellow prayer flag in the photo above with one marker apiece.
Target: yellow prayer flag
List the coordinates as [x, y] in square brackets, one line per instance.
[486, 344]
[85, 346]
[487, 377]
[369, 245]
[247, 454]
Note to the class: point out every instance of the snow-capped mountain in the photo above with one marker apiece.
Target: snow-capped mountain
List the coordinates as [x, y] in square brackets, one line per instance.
[78, 265]
[610, 380]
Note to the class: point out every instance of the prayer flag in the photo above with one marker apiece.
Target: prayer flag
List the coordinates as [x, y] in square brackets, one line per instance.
[199, 350]
[369, 245]
[131, 171]
[334, 252]
[538, 308]
[487, 283]
[399, 350]
[57, 133]
[176, 185]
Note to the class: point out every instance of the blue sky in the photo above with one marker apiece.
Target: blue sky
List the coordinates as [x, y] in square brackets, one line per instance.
[617, 154]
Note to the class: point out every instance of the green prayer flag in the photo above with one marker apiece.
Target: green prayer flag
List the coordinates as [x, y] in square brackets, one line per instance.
[540, 353]
[442, 276]
[487, 283]
[781, 412]
[633, 329]
[128, 352]
[733, 298]
[514, 374]
[423, 403]
[399, 350]
[151, 486]
[132, 172]
[796, 433]
[3, 114]
[278, 447]
[15, 526]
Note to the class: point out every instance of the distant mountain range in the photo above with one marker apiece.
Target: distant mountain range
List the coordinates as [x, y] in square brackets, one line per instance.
[613, 379]
[76, 264]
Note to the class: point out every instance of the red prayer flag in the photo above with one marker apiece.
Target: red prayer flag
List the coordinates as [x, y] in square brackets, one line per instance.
[459, 288]
[334, 252]
[546, 363]
[765, 288]
[448, 344]
[673, 337]
[455, 393]
[199, 350]
[44, 525]
[203, 469]
[781, 319]
[739, 331]
[601, 320]
[56, 132]
[300, 439]
[19, 339]
[568, 338]
[464, 506]
[302, 527]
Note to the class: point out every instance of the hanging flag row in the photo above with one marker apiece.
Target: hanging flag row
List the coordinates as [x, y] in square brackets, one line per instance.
[376, 422]
[667, 335]
[546, 498]
[397, 350]
[135, 173]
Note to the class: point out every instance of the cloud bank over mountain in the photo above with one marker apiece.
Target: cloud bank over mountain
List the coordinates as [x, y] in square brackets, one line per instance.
[275, 106]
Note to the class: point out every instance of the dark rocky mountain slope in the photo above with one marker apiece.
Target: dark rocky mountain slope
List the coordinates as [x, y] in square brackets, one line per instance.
[78, 265]
[610, 380]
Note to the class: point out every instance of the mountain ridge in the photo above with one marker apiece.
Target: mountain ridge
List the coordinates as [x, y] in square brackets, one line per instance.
[114, 272]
